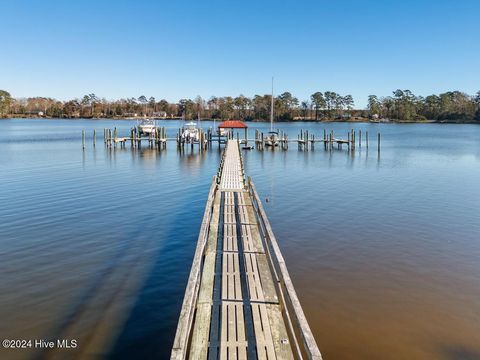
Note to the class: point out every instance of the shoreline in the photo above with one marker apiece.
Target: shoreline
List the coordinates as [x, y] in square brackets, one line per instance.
[355, 120]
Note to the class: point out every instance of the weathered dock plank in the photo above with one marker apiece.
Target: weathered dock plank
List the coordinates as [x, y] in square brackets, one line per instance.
[240, 302]
[199, 347]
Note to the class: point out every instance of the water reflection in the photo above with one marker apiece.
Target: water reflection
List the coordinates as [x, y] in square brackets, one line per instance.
[383, 248]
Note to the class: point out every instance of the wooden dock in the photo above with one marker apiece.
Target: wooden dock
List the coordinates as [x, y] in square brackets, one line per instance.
[240, 302]
[206, 139]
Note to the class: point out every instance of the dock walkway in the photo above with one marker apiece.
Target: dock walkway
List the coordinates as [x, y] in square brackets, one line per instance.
[240, 302]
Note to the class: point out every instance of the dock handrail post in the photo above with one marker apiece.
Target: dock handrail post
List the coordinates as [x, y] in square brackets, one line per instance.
[378, 143]
[94, 137]
[366, 138]
[83, 139]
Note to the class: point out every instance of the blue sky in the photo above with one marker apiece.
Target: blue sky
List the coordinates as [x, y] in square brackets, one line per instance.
[173, 50]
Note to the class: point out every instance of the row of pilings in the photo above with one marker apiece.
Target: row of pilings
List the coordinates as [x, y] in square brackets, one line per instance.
[157, 138]
[206, 139]
[307, 140]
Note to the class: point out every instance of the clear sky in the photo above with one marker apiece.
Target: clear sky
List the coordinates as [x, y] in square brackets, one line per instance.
[177, 49]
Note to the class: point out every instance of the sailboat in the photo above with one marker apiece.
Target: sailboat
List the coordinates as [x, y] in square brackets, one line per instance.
[272, 137]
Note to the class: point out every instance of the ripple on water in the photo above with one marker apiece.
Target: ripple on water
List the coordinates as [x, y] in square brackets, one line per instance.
[384, 252]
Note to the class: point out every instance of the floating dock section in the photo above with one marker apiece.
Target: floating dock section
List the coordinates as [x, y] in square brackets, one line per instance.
[240, 302]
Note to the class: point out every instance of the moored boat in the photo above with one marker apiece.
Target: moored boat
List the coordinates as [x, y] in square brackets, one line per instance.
[147, 127]
[191, 133]
[271, 139]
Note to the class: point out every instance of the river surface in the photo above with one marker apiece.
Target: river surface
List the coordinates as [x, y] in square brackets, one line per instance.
[383, 250]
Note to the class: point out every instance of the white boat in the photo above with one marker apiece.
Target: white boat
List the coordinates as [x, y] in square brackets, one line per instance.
[191, 133]
[147, 126]
[271, 139]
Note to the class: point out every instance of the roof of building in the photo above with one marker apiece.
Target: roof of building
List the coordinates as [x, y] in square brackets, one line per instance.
[233, 124]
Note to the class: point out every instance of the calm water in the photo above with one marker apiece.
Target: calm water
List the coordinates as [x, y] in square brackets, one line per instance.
[96, 245]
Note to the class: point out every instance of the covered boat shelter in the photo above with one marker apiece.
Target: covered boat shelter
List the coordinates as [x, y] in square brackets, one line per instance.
[228, 128]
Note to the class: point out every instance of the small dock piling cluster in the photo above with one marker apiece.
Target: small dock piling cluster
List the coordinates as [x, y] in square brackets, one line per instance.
[156, 139]
[261, 140]
[202, 140]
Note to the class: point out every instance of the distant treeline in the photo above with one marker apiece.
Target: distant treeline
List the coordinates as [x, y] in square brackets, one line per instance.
[402, 105]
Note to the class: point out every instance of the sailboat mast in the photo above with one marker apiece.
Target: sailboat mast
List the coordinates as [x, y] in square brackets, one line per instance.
[271, 110]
